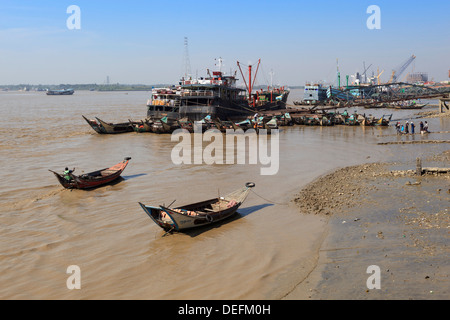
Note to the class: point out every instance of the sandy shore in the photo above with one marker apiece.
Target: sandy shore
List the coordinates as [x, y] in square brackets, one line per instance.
[433, 114]
[380, 214]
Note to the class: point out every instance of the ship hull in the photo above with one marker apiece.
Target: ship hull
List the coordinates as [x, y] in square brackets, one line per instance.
[221, 109]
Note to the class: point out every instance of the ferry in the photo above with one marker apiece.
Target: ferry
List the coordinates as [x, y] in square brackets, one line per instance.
[60, 92]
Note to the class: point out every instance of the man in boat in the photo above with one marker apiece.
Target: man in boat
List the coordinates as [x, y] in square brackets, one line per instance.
[255, 120]
[67, 173]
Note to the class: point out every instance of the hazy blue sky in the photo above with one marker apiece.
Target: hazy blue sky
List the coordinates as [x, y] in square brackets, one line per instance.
[142, 41]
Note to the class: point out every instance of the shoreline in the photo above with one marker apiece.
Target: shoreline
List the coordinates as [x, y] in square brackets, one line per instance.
[379, 216]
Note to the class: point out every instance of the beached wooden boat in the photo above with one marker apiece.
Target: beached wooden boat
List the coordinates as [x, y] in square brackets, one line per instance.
[352, 120]
[410, 106]
[103, 127]
[383, 121]
[197, 214]
[92, 179]
[298, 119]
[268, 124]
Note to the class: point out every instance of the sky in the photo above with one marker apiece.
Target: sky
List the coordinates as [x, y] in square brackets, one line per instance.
[142, 42]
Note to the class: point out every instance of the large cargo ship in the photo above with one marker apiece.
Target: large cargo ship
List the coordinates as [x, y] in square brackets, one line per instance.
[216, 95]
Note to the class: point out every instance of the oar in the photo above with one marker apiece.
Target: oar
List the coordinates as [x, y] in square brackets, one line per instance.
[170, 230]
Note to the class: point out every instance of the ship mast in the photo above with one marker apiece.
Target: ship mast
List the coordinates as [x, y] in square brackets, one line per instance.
[250, 83]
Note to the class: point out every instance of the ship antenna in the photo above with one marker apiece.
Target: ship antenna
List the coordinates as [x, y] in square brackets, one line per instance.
[186, 60]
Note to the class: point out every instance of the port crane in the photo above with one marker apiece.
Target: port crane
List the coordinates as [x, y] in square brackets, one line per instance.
[397, 73]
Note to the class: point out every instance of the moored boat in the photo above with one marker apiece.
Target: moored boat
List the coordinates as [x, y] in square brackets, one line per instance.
[383, 121]
[410, 106]
[197, 214]
[144, 125]
[169, 125]
[93, 179]
[103, 127]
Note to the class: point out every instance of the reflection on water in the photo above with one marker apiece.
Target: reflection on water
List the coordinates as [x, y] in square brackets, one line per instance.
[254, 255]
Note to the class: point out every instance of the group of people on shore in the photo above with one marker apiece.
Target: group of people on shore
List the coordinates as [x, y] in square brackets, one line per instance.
[405, 128]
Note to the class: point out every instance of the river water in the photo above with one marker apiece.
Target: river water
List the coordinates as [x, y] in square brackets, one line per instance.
[263, 253]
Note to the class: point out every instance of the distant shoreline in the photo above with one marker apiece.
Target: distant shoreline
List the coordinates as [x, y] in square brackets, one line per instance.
[96, 87]
[81, 87]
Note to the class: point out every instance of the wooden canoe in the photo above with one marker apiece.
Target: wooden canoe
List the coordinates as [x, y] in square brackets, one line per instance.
[142, 125]
[112, 128]
[93, 179]
[197, 214]
[94, 125]
[103, 127]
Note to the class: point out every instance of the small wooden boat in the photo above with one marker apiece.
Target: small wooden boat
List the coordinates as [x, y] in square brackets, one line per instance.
[92, 179]
[224, 125]
[94, 125]
[244, 125]
[112, 128]
[103, 127]
[142, 125]
[268, 124]
[169, 125]
[197, 214]
[192, 126]
[410, 106]
[352, 120]
[383, 121]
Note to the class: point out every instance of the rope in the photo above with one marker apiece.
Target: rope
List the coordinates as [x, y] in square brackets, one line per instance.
[273, 202]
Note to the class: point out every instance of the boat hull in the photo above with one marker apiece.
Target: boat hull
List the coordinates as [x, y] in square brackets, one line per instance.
[197, 214]
[94, 179]
[103, 127]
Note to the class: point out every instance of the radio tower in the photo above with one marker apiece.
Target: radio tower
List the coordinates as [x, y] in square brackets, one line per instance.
[186, 61]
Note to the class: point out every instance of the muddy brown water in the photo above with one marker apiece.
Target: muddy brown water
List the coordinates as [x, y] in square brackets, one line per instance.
[262, 253]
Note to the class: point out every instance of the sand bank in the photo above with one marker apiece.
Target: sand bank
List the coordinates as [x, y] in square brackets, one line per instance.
[380, 214]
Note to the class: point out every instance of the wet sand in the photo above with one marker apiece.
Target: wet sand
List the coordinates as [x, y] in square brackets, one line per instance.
[380, 214]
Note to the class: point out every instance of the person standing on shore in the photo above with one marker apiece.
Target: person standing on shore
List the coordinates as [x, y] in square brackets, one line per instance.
[397, 127]
[406, 127]
[425, 127]
[412, 127]
[421, 126]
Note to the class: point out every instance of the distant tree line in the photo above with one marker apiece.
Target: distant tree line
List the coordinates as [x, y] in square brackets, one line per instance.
[91, 87]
